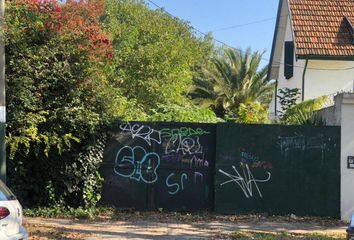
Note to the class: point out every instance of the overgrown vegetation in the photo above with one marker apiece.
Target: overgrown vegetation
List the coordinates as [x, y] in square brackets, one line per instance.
[252, 112]
[288, 98]
[233, 79]
[155, 55]
[304, 113]
[75, 68]
[175, 113]
[72, 70]
[60, 211]
[56, 103]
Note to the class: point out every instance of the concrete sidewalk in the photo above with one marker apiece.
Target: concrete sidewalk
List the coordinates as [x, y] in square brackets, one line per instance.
[176, 230]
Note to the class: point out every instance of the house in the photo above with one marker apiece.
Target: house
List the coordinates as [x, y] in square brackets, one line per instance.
[313, 48]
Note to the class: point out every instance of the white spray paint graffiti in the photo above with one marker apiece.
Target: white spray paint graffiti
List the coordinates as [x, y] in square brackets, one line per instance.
[180, 145]
[246, 181]
[301, 142]
[142, 131]
[198, 175]
[187, 145]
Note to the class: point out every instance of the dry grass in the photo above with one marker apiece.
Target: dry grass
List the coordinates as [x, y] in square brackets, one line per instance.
[42, 232]
[241, 235]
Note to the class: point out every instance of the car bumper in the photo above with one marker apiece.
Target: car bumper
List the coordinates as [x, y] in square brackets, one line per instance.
[22, 235]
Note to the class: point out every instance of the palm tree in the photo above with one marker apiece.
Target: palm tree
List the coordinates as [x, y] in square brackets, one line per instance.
[305, 113]
[233, 78]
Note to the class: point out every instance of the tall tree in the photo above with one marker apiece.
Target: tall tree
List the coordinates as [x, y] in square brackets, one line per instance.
[155, 54]
[232, 79]
[55, 99]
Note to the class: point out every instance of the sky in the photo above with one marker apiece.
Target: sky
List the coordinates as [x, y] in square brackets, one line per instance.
[210, 15]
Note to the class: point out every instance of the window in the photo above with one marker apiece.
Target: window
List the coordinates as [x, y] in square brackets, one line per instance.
[350, 22]
[289, 60]
[5, 193]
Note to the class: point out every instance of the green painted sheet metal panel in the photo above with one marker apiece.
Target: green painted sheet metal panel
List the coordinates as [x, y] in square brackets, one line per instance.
[118, 190]
[277, 169]
[150, 165]
[186, 174]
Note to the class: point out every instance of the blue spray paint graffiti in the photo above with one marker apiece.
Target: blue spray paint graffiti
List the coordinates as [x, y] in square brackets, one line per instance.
[135, 163]
[184, 177]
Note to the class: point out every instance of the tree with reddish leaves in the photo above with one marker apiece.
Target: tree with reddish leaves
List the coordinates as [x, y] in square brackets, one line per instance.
[77, 21]
[80, 20]
[56, 104]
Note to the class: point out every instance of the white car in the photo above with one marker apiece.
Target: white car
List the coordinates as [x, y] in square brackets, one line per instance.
[10, 216]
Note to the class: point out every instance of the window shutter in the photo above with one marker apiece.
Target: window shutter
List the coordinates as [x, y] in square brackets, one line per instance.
[289, 60]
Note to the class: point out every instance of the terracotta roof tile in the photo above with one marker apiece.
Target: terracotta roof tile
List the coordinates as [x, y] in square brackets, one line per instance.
[321, 27]
[351, 20]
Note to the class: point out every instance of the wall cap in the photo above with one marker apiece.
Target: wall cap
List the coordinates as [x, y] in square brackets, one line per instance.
[345, 98]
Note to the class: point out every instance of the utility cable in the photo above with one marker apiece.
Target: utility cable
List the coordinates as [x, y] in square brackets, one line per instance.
[242, 25]
[242, 51]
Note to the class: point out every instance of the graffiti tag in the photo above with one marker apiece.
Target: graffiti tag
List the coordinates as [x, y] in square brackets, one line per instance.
[301, 142]
[182, 131]
[135, 163]
[245, 181]
[144, 132]
[186, 145]
[178, 186]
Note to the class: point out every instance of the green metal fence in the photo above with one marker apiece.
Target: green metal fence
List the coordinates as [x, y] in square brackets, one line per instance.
[230, 168]
[278, 169]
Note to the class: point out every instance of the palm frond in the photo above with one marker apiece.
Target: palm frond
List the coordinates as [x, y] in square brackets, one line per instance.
[234, 78]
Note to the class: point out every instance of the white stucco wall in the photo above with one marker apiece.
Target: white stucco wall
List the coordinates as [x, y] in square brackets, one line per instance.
[342, 113]
[295, 81]
[347, 149]
[318, 82]
[328, 80]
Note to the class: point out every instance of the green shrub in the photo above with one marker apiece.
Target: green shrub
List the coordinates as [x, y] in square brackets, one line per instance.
[156, 55]
[252, 113]
[175, 113]
[55, 109]
[59, 211]
[288, 98]
[304, 113]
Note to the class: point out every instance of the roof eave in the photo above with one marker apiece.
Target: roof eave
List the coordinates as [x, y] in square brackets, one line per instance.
[327, 57]
[274, 39]
[292, 27]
